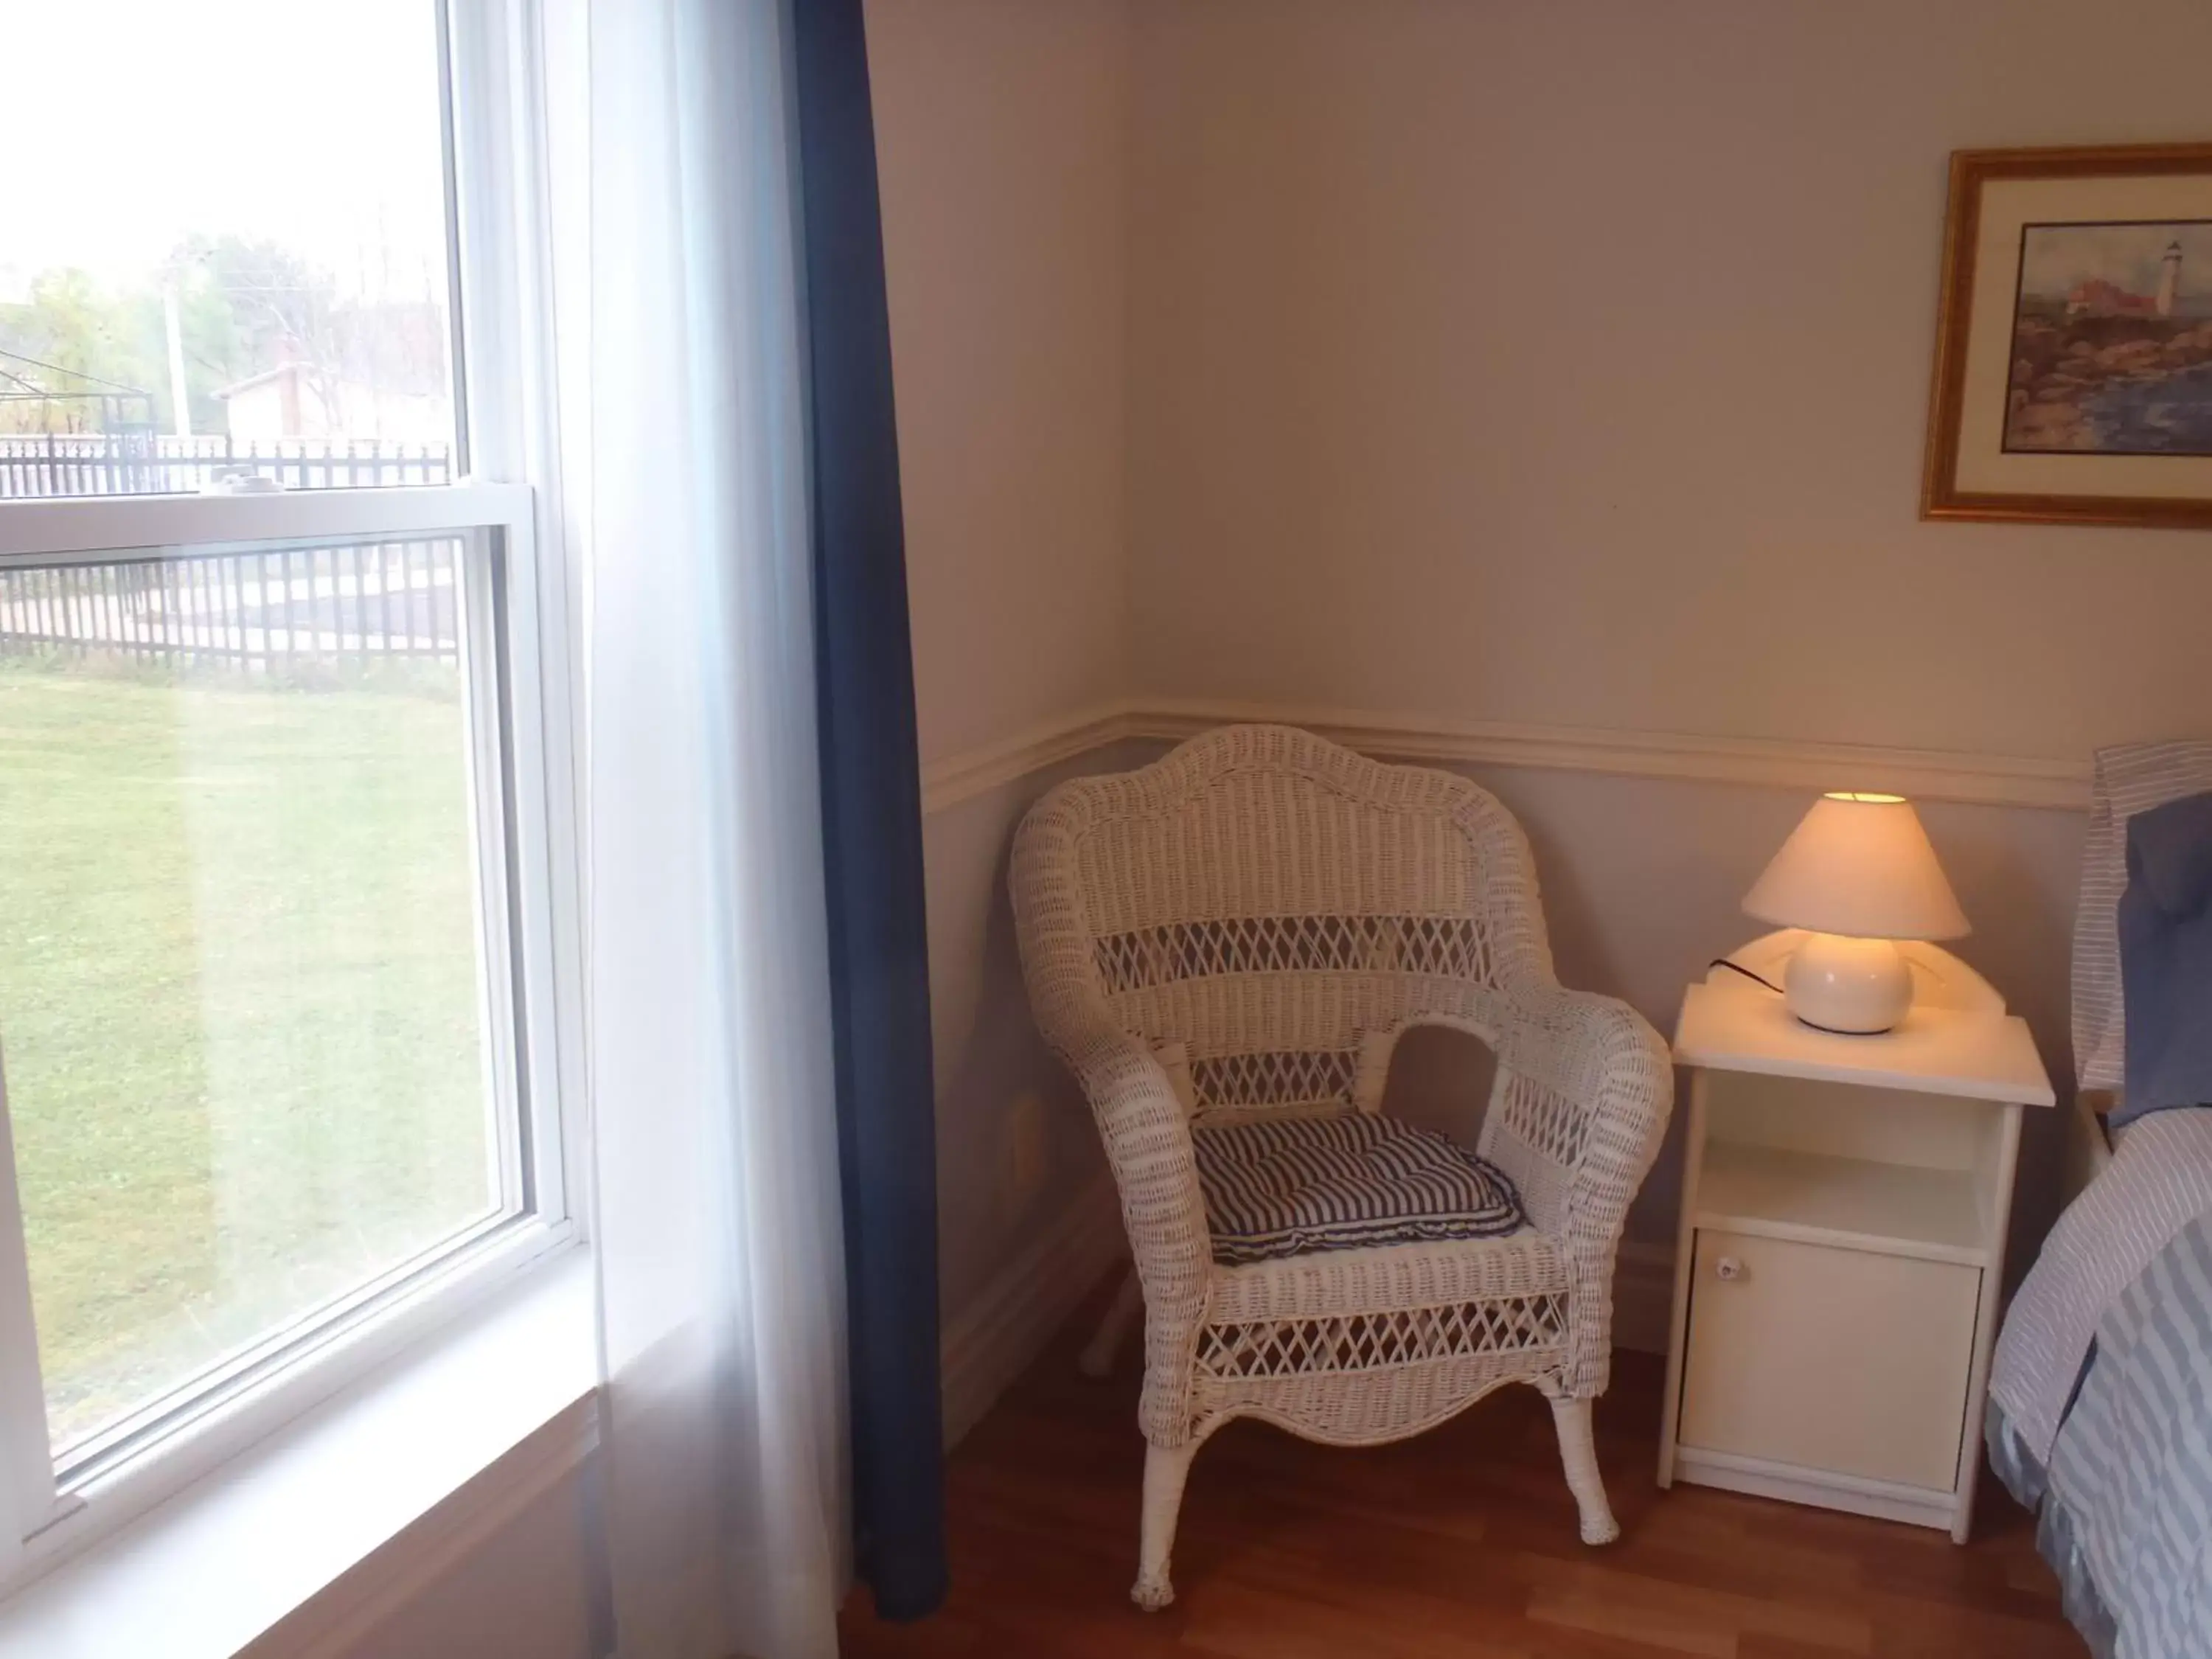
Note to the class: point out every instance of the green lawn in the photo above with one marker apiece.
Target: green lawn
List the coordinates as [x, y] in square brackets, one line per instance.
[238, 1006]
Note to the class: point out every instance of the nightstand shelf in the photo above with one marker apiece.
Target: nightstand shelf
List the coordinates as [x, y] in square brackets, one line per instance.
[1844, 1210]
[1856, 1203]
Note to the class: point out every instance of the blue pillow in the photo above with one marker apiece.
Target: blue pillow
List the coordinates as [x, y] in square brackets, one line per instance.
[2166, 958]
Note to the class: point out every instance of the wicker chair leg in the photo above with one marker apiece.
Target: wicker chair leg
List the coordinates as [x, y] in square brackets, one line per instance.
[1096, 1360]
[1577, 1450]
[1165, 1468]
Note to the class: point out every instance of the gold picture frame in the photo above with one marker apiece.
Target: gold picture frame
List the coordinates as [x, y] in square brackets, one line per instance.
[2073, 379]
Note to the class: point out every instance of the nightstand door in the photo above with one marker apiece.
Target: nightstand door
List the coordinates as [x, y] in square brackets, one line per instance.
[1828, 1358]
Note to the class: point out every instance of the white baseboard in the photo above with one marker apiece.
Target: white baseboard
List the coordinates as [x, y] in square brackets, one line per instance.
[995, 1338]
[1928, 774]
[1764, 1478]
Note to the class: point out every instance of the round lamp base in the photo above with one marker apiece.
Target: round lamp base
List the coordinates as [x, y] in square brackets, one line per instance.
[1856, 986]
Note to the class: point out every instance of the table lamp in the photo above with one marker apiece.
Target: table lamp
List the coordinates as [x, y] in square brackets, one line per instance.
[1859, 874]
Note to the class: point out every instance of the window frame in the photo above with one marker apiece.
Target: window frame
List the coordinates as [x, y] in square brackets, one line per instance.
[525, 734]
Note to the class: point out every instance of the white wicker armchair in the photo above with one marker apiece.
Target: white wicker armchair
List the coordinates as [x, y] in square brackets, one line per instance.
[1284, 909]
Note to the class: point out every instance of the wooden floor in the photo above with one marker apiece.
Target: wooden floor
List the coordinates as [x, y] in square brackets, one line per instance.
[1458, 1544]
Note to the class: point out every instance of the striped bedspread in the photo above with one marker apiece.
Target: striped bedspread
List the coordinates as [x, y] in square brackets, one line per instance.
[2133, 1464]
[2158, 1183]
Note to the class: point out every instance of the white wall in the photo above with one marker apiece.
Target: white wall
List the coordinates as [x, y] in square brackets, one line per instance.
[524, 1593]
[1001, 144]
[1559, 365]
[1001, 140]
[1568, 363]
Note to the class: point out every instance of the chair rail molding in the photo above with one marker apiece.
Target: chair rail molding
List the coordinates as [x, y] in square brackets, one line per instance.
[973, 772]
[1926, 773]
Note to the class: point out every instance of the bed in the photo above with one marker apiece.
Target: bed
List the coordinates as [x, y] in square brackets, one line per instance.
[2100, 1417]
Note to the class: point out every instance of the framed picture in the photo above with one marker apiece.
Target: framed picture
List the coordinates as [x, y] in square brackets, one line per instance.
[2074, 358]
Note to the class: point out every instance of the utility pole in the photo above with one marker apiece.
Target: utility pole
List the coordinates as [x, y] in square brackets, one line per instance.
[180, 405]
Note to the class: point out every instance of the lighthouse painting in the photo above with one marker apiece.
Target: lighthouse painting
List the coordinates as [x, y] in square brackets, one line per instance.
[2112, 340]
[2073, 379]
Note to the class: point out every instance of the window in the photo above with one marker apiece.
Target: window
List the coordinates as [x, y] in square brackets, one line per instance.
[235, 262]
[279, 723]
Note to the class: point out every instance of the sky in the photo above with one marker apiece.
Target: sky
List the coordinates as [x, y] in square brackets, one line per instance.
[2056, 257]
[312, 123]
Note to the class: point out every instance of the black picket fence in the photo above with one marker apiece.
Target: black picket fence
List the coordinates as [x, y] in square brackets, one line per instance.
[290, 607]
[51, 464]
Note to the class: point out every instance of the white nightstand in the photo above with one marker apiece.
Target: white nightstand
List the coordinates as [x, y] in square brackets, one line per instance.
[1843, 1209]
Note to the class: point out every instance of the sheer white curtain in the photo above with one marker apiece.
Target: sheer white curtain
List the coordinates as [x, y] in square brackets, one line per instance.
[716, 1210]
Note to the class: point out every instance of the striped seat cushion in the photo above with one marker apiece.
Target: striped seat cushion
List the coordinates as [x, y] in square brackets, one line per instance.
[1287, 1187]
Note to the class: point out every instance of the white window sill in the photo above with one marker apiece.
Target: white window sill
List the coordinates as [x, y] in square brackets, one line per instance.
[226, 1561]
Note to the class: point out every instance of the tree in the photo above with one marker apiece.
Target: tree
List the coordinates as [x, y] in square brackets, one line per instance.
[74, 343]
[244, 307]
[251, 306]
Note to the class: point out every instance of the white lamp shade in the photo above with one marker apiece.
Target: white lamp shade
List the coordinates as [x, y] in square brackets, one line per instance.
[1859, 866]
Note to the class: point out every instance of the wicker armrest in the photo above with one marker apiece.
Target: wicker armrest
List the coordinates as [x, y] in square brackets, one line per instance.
[1586, 1088]
[1155, 1166]
[1597, 1056]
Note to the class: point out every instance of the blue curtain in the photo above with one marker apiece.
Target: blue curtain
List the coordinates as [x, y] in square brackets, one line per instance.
[872, 820]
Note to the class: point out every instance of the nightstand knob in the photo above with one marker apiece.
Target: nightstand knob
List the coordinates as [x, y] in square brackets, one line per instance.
[1728, 1267]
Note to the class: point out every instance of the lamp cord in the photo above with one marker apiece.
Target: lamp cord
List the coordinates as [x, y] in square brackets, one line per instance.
[1738, 967]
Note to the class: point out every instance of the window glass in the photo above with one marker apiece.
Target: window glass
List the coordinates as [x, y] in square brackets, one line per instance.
[224, 251]
[243, 946]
